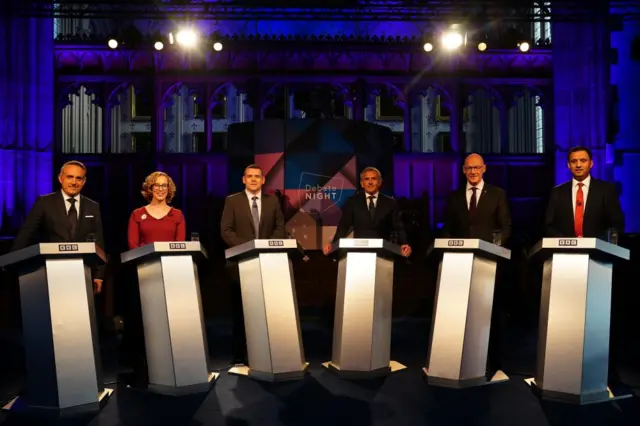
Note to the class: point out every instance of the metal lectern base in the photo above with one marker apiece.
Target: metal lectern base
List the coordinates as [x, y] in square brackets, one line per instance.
[580, 399]
[19, 405]
[243, 370]
[394, 366]
[180, 390]
[498, 377]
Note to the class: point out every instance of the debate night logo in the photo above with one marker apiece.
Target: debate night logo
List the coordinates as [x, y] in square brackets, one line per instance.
[314, 196]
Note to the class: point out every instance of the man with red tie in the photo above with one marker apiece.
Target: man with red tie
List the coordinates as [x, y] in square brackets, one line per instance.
[584, 206]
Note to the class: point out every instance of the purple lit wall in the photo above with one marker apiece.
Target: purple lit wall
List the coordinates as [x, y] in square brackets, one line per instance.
[581, 93]
[625, 75]
[26, 115]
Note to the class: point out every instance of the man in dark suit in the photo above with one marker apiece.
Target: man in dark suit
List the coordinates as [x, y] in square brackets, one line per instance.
[65, 216]
[588, 207]
[248, 215]
[584, 206]
[371, 214]
[478, 211]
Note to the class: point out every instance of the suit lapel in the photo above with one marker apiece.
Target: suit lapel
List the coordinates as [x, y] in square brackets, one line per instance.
[482, 198]
[263, 202]
[568, 193]
[81, 210]
[246, 206]
[61, 210]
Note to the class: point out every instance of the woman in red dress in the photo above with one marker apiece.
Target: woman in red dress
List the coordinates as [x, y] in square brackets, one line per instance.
[157, 221]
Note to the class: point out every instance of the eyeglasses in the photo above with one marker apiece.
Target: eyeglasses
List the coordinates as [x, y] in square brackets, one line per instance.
[473, 168]
[163, 186]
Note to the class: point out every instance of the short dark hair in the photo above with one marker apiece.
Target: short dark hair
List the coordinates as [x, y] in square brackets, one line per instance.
[579, 148]
[253, 166]
[73, 163]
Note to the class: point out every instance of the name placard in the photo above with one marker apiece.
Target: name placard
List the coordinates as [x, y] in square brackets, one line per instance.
[568, 243]
[361, 243]
[67, 247]
[455, 243]
[177, 246]
[276, 243]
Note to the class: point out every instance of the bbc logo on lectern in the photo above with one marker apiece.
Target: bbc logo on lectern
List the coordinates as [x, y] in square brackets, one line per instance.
[568, 243]
[177, 246]
[67, 247]
[276, 243]
[456, 243]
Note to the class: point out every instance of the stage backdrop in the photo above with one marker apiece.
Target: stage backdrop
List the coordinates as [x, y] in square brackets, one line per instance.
[313, 165]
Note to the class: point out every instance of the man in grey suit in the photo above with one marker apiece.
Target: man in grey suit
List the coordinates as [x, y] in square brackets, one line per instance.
[248, 215]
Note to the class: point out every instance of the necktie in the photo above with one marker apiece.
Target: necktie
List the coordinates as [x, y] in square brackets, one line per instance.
[579, 218]
[72, 216]
[256, 216]
[372, 207]
[473, 204]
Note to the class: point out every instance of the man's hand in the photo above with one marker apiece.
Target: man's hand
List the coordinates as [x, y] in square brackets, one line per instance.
[97, 286]
[405, 249]
[326, 249]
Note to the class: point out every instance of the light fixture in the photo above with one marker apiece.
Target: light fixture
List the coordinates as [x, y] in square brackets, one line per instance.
[158, 45]
[113, 43]
[217, 46]
[482, 46]
[428, 47]
[524, 46]
[187, 38]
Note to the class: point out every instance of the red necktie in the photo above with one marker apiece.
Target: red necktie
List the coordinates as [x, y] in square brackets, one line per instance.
[579, 218]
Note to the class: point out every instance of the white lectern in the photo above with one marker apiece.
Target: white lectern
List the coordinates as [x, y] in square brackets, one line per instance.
[60, 334]
[174, 333]
[575, 308]
[270, 305]
[462, 313]
[362, 325]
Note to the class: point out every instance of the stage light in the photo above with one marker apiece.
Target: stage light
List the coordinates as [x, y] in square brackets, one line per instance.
[158, 45]
[113, 43]
[452, 40]
[482, 46]
[524, 46]
[217, 46]
[187, 38]
[428, 47]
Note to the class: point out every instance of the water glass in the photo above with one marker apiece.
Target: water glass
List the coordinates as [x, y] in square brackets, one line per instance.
[612, 236]
[195, 236]
[91, 238]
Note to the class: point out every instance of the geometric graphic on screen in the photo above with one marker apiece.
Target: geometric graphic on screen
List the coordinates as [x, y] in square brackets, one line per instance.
[312, 164]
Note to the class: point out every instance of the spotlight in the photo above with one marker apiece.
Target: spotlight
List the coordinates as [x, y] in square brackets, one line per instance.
[524, 46]
[217, 46]
[113, 43]
[452, 40]
[159, 45]
[482, 46]
[187, 38]
[428, 47]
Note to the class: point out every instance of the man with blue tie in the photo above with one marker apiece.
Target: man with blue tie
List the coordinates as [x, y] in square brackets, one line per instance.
[248, 215]
[371, 214]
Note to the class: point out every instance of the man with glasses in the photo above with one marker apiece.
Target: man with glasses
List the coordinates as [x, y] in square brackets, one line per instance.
[480, 210]
[65, 216]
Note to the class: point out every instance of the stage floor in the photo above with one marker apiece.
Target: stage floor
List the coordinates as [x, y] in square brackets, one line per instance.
[323, 399]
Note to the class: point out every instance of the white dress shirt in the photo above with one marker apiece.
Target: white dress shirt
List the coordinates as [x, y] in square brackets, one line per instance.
[585, 192]
[375, 198]
[68, 204]
[258, 201]
[469, 193]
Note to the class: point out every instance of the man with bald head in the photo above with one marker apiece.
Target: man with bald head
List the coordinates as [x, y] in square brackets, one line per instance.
[478, 210]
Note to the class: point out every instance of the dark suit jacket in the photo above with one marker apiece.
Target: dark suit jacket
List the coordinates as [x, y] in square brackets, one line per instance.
[47, 223]
[236, 225]
[492, 214]
[355, 215]
[602, 211]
